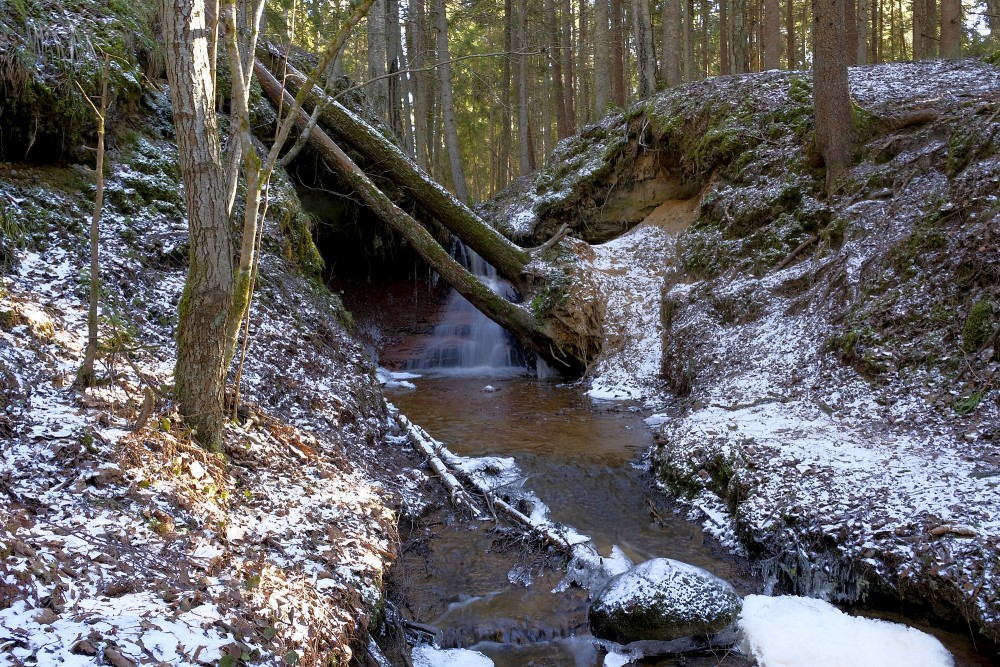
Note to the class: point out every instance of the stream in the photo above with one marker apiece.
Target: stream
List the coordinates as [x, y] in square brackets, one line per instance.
[584, 460]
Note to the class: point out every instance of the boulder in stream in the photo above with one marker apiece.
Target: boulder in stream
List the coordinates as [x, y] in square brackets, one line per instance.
[663, 600]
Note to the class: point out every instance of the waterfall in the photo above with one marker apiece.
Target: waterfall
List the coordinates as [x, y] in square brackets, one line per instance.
[466, 341]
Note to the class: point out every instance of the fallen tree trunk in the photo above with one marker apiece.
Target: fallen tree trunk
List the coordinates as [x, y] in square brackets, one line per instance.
[508, 258]
[533, 333]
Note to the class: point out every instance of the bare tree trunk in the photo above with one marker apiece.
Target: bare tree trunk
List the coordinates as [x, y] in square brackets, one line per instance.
[951, 28]
[725, 66]
[400, 89]
[525, 151]
[582, 104]
[378, 89]
[507, 93]
[642, 26]
[448, 106]
[861, 30]
[618, 90]
[687, 41]
[851, 31]
[207, 300]
[739, 54]
[418, 55]
[790, 58]
[771, 33]
[602, 59]
[554, 62]
[670, 51]
[703, 13]
[569, 78]
[831, 93]
[86, 376]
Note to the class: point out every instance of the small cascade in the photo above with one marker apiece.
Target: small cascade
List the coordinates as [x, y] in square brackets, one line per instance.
[466, 341]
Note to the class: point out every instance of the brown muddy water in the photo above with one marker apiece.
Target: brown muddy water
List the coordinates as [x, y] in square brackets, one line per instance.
[583, 460]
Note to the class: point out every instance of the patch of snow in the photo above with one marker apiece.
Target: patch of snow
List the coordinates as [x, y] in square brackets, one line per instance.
[426, 655]
[792, 631]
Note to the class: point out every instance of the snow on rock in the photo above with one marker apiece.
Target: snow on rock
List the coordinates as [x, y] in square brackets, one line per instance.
[792, 631]
[426, 655]
[664, 600]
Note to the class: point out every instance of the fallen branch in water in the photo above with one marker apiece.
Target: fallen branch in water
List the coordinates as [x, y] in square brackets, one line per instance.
[439, 456]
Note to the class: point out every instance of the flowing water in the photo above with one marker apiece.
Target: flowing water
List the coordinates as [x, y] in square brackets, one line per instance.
[583, 459]
[466, 342]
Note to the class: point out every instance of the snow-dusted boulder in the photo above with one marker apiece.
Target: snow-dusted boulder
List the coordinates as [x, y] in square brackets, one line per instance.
[665, 600]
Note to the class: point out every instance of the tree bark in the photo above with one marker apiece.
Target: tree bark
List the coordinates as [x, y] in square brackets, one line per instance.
[771, 42]
[618, 90]
[507, 258]
[399, 88]
[581, 104]
[851, 31]
[554, 62]
[526, 159]
[533, 333]
[378, 87]
[790, 58]
[418, 56]
[602, 59]
[687, 41]
[951, 28]
[831, 92]
[739, 55]
[86, 376]
[861, 30]
[448, 105]
[645, 58]
[207, 300]
[506, 77]
[725, 60]
[670, 52]
[569, 77]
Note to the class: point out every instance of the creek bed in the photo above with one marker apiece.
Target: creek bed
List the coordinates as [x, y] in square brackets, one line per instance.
[583, 459]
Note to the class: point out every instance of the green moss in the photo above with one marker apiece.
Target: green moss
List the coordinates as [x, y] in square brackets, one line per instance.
[979, 326]
[46, 116]
[970, 142]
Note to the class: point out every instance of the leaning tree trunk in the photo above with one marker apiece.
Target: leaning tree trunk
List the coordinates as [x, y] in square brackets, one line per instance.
[570, 354]
[507, 258]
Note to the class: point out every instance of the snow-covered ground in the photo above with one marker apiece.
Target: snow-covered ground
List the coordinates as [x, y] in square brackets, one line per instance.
[125, 545]
[849, 485]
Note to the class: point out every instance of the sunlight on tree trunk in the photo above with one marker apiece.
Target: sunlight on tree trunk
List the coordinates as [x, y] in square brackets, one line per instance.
[86, 376]
[217, 288]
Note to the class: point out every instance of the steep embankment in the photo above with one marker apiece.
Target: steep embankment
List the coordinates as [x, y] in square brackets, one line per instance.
[122, 541]
[834, 358]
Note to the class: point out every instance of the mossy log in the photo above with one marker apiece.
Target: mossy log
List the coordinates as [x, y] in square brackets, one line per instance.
[508, 258]
[544, 336]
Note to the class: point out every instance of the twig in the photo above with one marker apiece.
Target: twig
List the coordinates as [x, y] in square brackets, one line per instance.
[559, 235]
[793, 254]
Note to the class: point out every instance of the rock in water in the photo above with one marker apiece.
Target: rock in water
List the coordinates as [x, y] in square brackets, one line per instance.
[663, 599]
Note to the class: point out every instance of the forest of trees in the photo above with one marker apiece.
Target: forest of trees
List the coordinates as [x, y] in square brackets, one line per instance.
[477, 94]
[524, 74]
